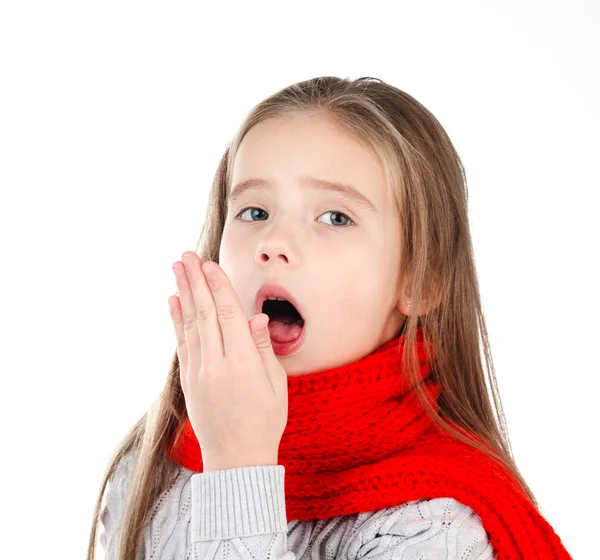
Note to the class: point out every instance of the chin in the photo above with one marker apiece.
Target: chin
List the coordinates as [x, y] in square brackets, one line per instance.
[292, 365]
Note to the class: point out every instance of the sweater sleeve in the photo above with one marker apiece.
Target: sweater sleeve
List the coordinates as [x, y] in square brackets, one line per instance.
[436, 529]
[240, 514]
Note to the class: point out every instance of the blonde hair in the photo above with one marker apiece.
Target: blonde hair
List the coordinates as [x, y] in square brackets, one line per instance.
[429, 183]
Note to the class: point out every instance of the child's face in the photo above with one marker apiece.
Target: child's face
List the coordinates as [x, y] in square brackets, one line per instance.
[343, 275]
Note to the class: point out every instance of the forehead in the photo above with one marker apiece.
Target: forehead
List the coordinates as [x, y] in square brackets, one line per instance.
[283, 149]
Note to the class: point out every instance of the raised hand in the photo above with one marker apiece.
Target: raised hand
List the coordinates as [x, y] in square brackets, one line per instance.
[235, 388]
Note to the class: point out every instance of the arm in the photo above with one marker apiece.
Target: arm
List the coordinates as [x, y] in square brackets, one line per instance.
[231, 512]
[240, 514]
[436, 529]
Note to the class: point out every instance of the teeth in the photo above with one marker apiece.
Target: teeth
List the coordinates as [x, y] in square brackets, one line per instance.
[277, 298]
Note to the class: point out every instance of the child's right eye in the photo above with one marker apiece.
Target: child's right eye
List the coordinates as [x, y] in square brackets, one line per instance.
[249, 208]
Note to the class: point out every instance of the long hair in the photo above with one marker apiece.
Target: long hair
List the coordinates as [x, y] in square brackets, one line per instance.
[428, 180]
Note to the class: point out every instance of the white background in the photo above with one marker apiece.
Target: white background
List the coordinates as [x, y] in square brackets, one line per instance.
[113, 116]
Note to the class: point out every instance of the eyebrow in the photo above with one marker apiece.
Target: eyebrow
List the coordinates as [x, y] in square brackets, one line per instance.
[345, 189]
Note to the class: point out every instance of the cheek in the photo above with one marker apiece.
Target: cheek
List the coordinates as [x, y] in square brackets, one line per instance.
[362, 293]
[351, 299]
[232, 244]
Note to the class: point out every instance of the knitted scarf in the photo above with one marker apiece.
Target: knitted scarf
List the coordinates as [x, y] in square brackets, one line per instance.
[357, 440]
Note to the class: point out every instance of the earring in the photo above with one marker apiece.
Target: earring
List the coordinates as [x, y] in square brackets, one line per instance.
[408, 303]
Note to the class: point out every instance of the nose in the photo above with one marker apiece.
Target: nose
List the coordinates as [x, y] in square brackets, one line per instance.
[273, 252]
[275, 249]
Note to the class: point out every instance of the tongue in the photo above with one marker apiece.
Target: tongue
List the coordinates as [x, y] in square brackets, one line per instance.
[284, 332]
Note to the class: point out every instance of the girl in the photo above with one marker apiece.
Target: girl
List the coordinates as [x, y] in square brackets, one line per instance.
[357, 424]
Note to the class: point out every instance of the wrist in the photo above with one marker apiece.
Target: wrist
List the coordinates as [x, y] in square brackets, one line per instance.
[225, 464]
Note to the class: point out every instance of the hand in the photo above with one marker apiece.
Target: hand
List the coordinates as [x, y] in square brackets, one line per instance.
[234, 386]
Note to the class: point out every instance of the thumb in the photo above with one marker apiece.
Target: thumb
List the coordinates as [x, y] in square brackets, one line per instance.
[259, 327]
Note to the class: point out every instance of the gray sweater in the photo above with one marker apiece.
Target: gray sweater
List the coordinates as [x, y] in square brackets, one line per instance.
[240, 514]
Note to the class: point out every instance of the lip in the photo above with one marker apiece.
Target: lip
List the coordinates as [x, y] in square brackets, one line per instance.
[285, 348]
[277, 290]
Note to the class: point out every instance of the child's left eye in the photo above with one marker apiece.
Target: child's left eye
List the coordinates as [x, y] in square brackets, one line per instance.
[345, 217]
[348, 222]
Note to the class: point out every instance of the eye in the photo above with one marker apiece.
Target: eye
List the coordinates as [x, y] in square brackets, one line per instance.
[344, 217]
[250, 208]
[345, 223]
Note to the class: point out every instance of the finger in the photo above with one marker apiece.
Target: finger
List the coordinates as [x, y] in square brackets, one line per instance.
[188, 311]
[232, 320]
[203, 310]
[177, 318]
[262, 340]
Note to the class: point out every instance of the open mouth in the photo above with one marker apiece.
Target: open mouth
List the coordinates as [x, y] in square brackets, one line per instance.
[285, 323]
[281, 310]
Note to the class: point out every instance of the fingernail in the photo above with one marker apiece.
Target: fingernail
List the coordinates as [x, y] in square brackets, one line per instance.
[210, 268]
[178, 270]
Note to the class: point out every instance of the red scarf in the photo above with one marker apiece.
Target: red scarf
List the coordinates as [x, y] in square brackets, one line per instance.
[357, 440]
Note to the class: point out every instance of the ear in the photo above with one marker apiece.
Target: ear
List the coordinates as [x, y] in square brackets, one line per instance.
[426, 306]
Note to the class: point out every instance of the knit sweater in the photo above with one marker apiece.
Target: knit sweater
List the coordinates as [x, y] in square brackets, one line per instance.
[240, 514]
